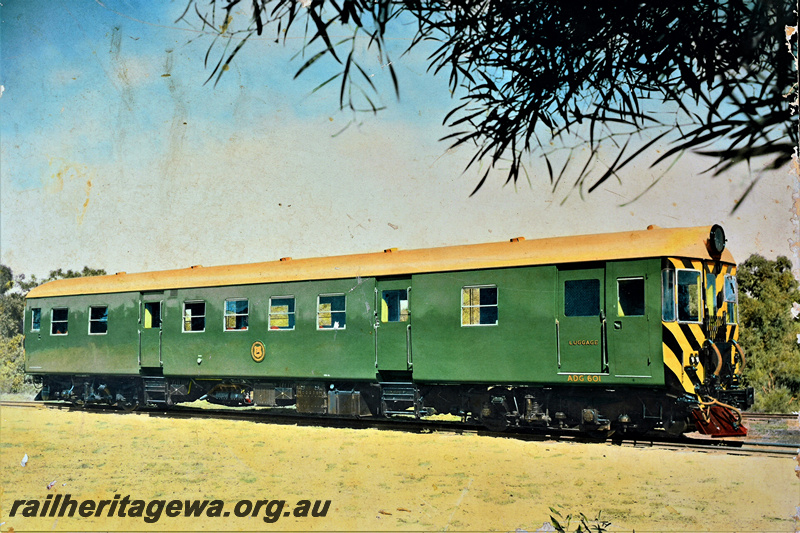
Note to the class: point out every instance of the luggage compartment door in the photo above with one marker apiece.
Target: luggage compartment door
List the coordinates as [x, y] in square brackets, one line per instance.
[581, 322]
[393, 325]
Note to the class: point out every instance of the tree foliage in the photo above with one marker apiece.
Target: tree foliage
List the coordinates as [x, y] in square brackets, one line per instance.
[12, 364]
[770, 332]
[570, 82]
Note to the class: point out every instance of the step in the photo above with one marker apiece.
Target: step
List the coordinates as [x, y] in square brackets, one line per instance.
[155, 390]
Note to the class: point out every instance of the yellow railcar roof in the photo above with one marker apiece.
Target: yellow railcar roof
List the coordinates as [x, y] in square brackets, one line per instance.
[653, 242]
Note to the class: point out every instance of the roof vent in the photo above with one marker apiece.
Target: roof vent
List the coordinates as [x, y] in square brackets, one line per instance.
[286, 259]
[517, 239]
[389, 250]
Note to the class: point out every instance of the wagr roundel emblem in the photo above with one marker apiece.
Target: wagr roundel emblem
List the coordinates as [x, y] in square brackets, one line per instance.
[258, 351]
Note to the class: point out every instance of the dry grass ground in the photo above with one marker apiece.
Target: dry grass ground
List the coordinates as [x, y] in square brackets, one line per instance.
[376, 480]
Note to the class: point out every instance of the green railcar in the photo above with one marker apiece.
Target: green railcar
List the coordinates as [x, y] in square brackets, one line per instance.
[628, 331]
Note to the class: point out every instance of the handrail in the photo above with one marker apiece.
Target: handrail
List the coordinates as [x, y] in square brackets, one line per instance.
[409, 362]
[604, 341]
[408, 347]
[558, 342]
[375, 325]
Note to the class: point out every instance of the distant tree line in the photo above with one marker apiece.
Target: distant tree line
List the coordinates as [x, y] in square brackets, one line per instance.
[769, 302]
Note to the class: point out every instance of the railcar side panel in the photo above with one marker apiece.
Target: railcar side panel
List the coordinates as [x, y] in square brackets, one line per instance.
[331, 333]
[485, 326]
[82, 335]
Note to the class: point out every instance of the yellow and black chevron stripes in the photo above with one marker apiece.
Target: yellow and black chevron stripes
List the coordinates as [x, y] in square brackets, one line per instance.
[716, 301]
[682, 342]
[685, 263]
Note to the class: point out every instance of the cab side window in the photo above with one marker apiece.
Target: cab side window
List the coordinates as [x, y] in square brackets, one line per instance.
[668, 295]
[630, 296]
[731, 291]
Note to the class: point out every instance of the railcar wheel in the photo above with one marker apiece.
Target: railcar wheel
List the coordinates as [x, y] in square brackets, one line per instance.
[127, 406]
[677, 428]
[493, 417]
[495, 425]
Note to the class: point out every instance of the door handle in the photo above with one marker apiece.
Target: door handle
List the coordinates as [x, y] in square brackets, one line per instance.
[617, 324]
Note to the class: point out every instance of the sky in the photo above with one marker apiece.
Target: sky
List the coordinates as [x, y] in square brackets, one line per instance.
[115, 154]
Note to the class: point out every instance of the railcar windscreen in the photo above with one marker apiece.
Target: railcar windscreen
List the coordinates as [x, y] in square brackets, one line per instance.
[689, 295]
[711, 294]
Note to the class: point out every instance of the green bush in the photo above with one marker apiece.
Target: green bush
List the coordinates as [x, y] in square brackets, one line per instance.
[12, 364]
[776, 400]
[769, 333]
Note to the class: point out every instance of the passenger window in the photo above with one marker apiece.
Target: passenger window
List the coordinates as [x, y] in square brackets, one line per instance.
[36, 319]
[689, 295]
[630, 297]
[668, 295]
[479, 306]
[281, 313]
[194, 316]
[582, 297]
[152, 315]
[98, 320]
[59, 321]
[331, 311]
[236, 314]
[394, 306]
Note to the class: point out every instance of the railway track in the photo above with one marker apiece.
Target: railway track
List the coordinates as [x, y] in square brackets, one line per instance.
[288, 417]
[770, 416]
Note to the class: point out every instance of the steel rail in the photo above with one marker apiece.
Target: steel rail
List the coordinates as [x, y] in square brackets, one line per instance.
[410, 425]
